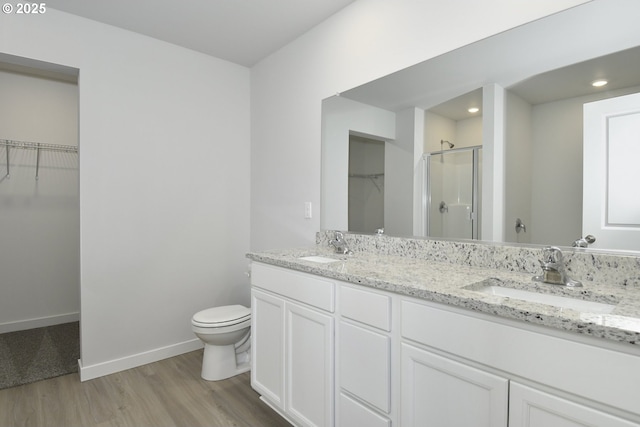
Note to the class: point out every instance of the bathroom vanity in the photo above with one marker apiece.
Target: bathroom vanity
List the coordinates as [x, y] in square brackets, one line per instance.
[390, 336]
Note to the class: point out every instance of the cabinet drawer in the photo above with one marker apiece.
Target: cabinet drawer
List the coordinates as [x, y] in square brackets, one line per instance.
[352, 413]
[365, 365]
[364, 306]
[306, 288]
[529, 407]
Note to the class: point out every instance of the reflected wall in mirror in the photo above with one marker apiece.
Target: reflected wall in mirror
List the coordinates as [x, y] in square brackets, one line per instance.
[544, 145]
[533, 82]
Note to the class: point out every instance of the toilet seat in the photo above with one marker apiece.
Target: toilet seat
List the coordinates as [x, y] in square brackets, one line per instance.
[225, 333]
[219, 317]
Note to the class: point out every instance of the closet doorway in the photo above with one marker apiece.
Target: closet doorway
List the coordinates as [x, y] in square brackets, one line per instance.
[39, 220]
[366, 184]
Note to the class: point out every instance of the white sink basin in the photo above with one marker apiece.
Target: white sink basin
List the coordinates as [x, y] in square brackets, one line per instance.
[555, 300]
[320, 259]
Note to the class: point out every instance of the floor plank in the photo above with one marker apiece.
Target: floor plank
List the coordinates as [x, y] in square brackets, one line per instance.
[167, 393]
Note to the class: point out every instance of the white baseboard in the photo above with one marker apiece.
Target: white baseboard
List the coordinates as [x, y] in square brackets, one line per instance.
[112, 366]
[40, 322]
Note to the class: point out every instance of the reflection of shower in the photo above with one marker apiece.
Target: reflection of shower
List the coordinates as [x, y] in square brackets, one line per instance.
[453, 191]
[442, 142]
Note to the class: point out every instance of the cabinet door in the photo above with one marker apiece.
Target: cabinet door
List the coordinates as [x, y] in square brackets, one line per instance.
[309, 366]
[267, 346]
[440, 392]
[365, 365]
[529, 407]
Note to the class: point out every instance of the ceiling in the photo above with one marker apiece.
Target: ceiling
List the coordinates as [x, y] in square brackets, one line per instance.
[620, 69]
[239, 31]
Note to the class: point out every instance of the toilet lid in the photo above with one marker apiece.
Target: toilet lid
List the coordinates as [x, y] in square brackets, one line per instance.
[222, 316]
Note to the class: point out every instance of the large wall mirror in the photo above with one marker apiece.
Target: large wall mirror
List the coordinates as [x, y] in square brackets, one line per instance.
[512, 168]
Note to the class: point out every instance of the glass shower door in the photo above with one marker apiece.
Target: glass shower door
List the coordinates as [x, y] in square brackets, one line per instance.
[453, 189]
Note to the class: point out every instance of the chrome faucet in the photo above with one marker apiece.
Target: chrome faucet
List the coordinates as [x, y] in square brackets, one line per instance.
[553, 270]
[584, 242]
[339, 244]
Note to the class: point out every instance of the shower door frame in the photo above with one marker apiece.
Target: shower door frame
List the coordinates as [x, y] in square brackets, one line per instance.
[475, 199]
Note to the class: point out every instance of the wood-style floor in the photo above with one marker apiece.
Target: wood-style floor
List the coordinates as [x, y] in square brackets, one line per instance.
[165, 393]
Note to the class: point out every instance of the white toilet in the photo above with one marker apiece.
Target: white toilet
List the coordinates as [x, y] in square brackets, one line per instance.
[225, 332]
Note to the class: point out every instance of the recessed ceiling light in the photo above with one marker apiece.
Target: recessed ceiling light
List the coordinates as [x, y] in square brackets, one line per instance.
[599, 83]
[473, 110]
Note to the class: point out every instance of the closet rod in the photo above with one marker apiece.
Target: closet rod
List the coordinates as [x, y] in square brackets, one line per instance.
[373, 177]
[38, 146]
[369, 176]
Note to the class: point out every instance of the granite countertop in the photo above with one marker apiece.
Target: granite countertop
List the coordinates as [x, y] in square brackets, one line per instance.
[459, 286]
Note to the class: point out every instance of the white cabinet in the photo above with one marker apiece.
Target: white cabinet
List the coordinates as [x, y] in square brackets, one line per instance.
[309, 366]
[437, 391]
[363, 360]
[529, 407]
[424, 364]
[292, 344]
[267, 346]
[581, 372]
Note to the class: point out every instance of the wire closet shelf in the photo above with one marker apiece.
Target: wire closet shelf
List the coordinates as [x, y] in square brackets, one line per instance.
[37, 146]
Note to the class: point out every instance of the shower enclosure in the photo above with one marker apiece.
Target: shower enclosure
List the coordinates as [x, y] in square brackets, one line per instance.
[453, 187]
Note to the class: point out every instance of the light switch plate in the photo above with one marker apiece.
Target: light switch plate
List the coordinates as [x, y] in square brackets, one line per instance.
[307, 210]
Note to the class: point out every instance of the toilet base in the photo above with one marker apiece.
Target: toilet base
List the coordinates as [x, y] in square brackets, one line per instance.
[219, 362]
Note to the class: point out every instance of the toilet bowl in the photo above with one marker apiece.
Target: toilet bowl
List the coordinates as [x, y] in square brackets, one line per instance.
[225, 332]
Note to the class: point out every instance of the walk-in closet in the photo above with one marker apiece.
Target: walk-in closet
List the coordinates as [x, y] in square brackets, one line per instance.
[39, 221]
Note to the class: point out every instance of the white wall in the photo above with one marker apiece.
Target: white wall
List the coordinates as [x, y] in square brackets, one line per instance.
[557, 200]
[468, 132]
[518, 169]
[38, 108]
[400, 169]
[556, 194]
[492, 209]
[342, 116]
[367, 40]
[39, 219]
[436, 129]
[544, 168]
[462, 133]
[164, 184]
